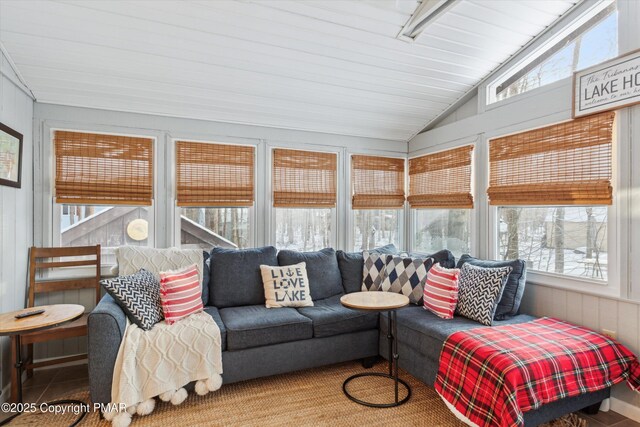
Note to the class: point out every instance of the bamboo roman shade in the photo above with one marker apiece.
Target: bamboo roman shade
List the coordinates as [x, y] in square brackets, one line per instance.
[103, 169]
[564, 164]
[304, 179]
[214, 174]
[377, 182]
[441, 180]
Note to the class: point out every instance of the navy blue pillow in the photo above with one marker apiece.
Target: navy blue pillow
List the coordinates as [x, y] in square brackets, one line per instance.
[509, 304]
[322, 270]
[236, 279]
[443, 257]
[352, 263]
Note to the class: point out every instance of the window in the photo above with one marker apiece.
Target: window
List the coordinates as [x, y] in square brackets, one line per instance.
[377, 199]
[103, 190]
[215, 193]
[376, 227]
[588, 43]
[207, 227]
[304, 187]
[552, 185]
[568, 240]
[437, 229]
[304, 229]
[441, 200]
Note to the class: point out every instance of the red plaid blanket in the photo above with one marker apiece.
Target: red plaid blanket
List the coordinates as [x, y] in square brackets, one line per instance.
[491, 375]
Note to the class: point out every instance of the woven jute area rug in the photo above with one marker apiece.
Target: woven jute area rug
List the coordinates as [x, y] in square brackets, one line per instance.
[306, 398]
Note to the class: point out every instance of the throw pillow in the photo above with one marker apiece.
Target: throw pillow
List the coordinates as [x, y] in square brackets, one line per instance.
[441, 291]
[406, 275]
[509, 304]
[138, 295]
[352, 265]
[286, 286]
[479, 291]
[373, 271]
[180, 293]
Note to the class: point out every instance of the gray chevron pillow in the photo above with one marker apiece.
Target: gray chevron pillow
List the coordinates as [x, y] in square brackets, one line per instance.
[479, 290]
[139, 297]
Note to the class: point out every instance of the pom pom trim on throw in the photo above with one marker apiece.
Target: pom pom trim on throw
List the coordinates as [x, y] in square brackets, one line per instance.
[123, 419]
[179, 396]
[214, 383]
[201, 388]
[167, 395]
[146, 407]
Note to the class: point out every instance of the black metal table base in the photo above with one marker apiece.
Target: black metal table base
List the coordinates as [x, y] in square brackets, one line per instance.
[378, 405]
[393, 372]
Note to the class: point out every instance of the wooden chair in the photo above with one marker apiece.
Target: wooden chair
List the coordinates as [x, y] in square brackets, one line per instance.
[50, 259]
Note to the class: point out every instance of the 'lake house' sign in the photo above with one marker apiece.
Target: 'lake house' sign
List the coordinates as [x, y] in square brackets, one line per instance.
[607, 86]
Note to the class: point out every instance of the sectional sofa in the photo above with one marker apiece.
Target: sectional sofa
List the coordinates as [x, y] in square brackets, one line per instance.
[259, 341]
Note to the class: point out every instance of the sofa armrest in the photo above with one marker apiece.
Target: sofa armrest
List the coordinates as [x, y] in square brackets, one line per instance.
[106, 325]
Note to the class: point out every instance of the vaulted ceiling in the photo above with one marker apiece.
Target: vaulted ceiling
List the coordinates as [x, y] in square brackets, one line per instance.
[321, 65]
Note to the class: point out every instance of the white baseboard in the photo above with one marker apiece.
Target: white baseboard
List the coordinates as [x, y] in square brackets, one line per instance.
[626, 409]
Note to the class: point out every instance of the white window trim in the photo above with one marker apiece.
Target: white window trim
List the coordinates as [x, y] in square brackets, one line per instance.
[337, 228]
[477, 203]
[172, 163]
[615, 248]
[576, 17]
[402, 214]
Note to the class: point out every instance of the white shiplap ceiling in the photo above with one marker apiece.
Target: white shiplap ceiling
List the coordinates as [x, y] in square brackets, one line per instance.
[320, 65]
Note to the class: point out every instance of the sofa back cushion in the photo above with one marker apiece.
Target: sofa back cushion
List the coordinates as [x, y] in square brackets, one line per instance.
[509, 304]
[236, 279]
[351, 266]
[322, 270]
[443, 257]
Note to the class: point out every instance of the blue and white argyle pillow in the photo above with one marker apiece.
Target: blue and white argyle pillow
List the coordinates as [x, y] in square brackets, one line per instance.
[373, 272]
[407, 276]
[139, 297]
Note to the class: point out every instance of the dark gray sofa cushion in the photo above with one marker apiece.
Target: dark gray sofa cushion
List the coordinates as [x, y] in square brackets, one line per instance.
[330, 318]
[215, 314]
[425, 332]
[322, 270]
[351, 265]
[206, 278]
[235, 276]
[256, 325]
[512, 295]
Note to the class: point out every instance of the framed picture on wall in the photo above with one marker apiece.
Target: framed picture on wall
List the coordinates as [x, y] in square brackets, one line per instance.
[10, 156]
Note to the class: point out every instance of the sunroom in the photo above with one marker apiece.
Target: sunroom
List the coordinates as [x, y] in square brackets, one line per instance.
[320, 212]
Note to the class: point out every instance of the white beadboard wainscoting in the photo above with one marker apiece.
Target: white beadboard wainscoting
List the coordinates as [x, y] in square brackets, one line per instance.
[16, 209]
[598, 313]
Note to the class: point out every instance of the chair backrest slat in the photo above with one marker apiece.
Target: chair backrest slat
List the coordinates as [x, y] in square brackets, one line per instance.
[37, 263]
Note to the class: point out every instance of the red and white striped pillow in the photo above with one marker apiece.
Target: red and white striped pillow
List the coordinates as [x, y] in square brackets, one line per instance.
[441, 291]
[180, 293]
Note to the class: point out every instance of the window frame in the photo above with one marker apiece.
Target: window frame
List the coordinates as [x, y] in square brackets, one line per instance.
[577, 17]
[350, 217]
[477, 201]
[609, 288]
[177, 210]
[52, 236]
[270, 210]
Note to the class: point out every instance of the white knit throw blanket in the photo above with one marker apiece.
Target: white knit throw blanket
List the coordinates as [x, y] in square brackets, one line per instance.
[166, 358]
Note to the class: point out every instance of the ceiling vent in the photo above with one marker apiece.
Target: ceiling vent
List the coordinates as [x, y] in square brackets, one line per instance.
[428, 11]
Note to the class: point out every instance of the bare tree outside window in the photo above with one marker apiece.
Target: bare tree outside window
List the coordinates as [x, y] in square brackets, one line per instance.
[375, 227]
[437, 229]
[303, 229]
[564, 240]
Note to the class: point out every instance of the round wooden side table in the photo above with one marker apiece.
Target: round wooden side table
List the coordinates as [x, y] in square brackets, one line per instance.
[380, 301]
[53, 315]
